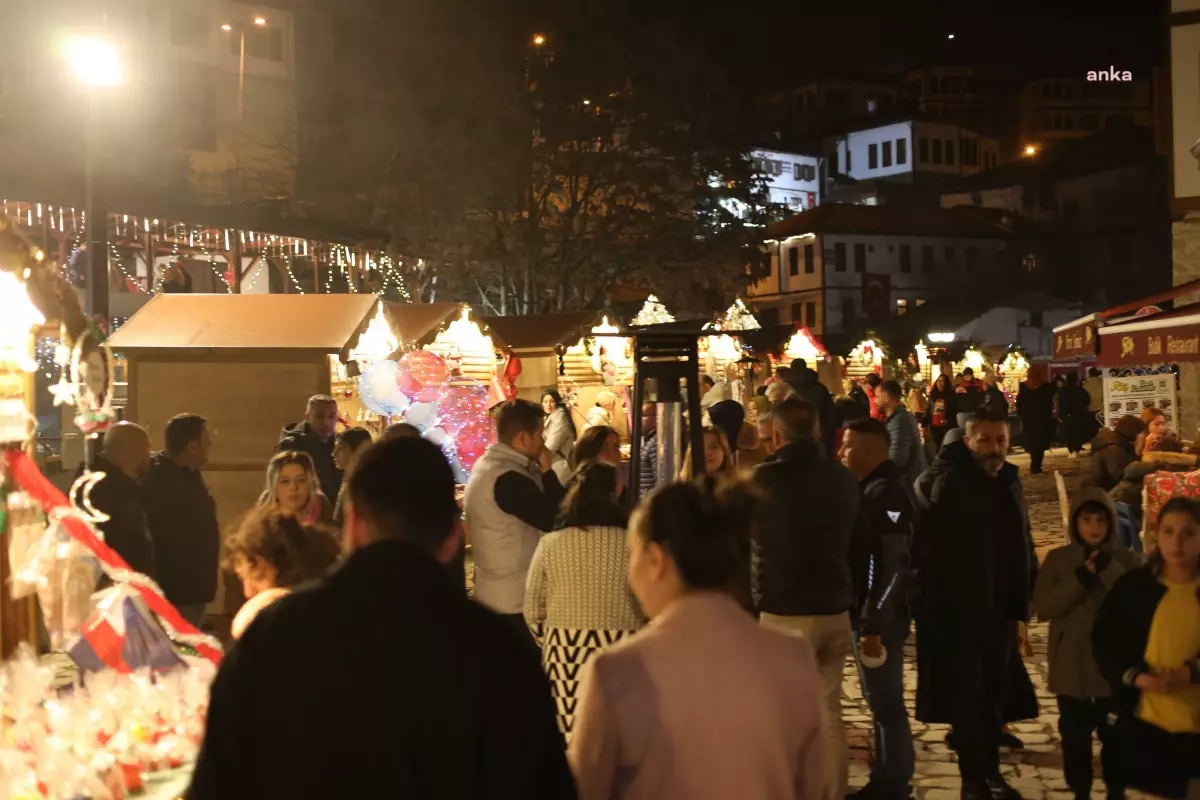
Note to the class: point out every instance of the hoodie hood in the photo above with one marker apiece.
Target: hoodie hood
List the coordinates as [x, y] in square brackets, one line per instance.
[1109, 438]
[1093, 494]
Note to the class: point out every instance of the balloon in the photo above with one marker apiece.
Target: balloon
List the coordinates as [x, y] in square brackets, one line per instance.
[421, 374]
[422, 415]
[378, 390]
[439, 436]
[472, 440]
[460, 402]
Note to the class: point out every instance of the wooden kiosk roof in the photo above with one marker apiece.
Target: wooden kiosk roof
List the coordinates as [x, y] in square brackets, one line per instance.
[542, 331]
[325, 322]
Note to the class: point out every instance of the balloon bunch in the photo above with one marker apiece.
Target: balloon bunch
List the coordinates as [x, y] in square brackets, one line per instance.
[450, 410]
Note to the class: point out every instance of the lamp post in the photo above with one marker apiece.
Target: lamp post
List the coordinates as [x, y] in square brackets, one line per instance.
[228, 28]
[96, 64]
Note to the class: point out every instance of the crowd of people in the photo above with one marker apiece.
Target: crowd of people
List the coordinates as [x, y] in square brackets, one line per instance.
[691, 648]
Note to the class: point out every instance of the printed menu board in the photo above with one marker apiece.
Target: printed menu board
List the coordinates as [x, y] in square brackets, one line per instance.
[1125, 396]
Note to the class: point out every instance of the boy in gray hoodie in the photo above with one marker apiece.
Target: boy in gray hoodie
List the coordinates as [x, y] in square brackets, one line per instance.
[1071, 584]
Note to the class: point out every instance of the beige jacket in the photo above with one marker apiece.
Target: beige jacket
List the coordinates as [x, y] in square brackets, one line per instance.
[702, 704]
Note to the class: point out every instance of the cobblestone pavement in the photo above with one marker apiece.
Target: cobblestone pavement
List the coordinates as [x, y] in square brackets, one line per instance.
[1035, 771]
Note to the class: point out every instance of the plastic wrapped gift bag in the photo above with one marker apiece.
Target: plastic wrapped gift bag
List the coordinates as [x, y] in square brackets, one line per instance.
[1158, 488]
[122, 634]
[62, 572]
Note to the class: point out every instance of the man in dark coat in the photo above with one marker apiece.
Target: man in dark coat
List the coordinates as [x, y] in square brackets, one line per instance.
[809, 387]
[975, 568]
[464, 710]
[315, 436]
[802, 578]
[124, 459]
[183, 517]
[1035, 407]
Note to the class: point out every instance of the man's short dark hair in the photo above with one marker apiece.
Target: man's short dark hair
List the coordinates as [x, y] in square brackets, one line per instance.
[873, 380]
[319, 400]
[868, 426]
[401, 430]
[182, 430]
[517, 416]
[893, 388]
[797, 418]
[404, 489]
[1093, 373]
[987, 413]
[968, 371]
[354, 438]
[799, 365]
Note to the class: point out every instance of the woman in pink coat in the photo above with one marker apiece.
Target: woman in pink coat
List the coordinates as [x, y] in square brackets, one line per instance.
[703, 703]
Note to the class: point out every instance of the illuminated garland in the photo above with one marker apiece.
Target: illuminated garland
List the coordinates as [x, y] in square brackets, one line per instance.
[653, 313]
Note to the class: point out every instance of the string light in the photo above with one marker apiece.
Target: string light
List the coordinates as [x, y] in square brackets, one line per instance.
[44, 351]
[653, 313]
[112, 248]
[287, 261]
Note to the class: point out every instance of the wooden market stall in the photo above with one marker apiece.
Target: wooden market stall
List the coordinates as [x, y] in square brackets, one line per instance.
[541, 342]
[247, 363]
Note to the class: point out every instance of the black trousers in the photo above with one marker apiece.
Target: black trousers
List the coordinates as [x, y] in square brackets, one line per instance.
[518, 624]
[1078, 719]
[981, 684]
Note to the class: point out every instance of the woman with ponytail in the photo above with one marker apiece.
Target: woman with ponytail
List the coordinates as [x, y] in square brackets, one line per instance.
[702, 703]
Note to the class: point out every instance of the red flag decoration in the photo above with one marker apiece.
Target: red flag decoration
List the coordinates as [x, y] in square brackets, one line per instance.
[512, 369]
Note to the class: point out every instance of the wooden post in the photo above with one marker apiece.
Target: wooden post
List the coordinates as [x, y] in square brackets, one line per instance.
[234, 258]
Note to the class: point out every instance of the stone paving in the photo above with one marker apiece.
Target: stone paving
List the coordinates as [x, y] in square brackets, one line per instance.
[1035, 771]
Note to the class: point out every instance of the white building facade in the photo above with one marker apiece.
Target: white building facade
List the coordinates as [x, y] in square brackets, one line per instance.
[863, 265]
[901, 150]
[793, 179]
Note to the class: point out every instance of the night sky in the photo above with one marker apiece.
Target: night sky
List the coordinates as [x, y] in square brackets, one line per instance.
[766, 43]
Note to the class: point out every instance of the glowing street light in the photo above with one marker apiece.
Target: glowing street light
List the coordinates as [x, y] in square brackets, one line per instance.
[538, 40]
[94, 61]
[259, 21]
[1030, 150]
[587, 102]
[950, 36]
[227, 27]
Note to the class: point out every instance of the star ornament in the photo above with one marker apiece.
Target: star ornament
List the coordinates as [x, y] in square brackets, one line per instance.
[63, 393]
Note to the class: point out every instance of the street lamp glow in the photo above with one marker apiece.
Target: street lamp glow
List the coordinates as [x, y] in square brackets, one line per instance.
[539, 39]
[950, 36]
[587, 102]
[1030, 150]
[226, 27]
[94, 61]
[259, 21]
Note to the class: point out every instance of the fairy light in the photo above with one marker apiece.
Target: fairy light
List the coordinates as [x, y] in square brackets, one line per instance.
[44, 352]
[653, 313]
[287, 262]
[112, 248]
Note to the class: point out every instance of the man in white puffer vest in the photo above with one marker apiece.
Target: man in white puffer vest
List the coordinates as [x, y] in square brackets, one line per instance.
[512, 499]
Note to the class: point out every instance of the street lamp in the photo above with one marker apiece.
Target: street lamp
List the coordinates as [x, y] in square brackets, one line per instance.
[228, 28]
[538, 40]
[94, 61]
[1030, 150]
[96, 64]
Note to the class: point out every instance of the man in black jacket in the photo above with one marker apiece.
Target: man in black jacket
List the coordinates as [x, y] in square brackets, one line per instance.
[300, 708]
[880, 558]
[802, 578]
[183, 517]
[125, 458]
[975, 568]
[809, 387]
[315, 436]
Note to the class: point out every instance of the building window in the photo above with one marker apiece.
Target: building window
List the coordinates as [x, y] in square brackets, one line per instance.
[809, 259]
[905, 258]
[1118, 121]
[972, 260]
[1088, 122]
[920, 301]
[950, 257]
[902, 151]
[797, 312]
[901, 307]
[1035, 319]
[839, 256]
[887, 154]
[849, 315]
[937, 151]
[860, 258]
[793, 261]
[927, 262]
[950, 152]
[261, 42]
[1069, 122]
[768, 316]
[849, 161]
[797, 171]
[923, 150]
[872, 156]
[189, 28]
[810, 314]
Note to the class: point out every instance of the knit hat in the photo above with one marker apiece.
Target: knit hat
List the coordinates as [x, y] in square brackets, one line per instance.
[728, 415]
[1129, 427]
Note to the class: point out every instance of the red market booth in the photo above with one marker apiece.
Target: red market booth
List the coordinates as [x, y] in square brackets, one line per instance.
[1140, 357]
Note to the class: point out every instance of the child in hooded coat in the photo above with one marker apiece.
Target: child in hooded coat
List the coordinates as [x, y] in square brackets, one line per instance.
[1071, 586]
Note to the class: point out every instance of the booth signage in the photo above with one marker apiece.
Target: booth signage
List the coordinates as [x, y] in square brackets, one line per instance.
[1129, 395]
[1078, 342]
[1154, 346]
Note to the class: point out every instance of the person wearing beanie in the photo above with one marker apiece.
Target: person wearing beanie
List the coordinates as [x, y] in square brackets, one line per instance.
[1113, 450]
[728, 415]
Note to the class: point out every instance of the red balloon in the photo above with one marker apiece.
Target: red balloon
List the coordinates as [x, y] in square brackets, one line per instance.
[472, 440]
[460, 403]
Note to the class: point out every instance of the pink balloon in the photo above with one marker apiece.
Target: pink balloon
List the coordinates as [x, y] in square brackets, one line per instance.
[461, 403]
[421, 374]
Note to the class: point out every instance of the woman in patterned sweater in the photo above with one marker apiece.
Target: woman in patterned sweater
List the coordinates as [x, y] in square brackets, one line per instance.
[577, 597]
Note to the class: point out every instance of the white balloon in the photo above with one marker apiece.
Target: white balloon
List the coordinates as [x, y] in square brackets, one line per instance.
[422, 415]
[378, 389]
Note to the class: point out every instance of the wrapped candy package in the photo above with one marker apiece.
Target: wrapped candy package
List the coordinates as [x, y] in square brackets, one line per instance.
[121, 634]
